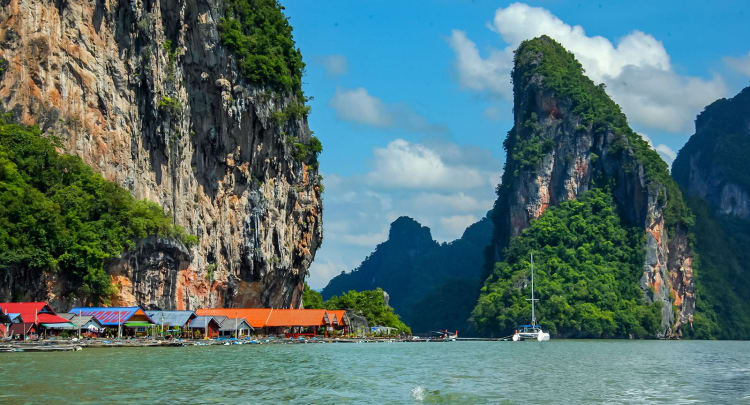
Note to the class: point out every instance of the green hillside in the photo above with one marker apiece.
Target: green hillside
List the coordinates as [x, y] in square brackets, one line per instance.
[58, 216]
[587, 266]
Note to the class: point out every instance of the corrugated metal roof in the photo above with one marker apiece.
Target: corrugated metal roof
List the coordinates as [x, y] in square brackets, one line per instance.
[81, 321]
[256, 317]
[171, 318]
[38, 312]
[66, 315]
[202, 322]
[220, 318]
[108, 316]
[229, 324]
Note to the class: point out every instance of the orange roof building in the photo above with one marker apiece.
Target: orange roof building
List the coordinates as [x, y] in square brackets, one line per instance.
[260, 318]
[256, 317]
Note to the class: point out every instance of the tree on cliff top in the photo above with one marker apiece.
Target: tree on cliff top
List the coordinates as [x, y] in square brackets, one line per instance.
[58, 216]
[258, 32]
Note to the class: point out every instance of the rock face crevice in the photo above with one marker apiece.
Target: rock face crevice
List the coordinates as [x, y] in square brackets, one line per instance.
[575, 157]
[146, 94]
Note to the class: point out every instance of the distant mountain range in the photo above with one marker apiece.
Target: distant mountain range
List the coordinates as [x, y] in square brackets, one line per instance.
[433, 286]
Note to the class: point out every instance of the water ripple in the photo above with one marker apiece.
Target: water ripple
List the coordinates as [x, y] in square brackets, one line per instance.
[578, 371]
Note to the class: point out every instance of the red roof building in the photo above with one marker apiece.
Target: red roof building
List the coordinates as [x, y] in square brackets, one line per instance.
[33, 312]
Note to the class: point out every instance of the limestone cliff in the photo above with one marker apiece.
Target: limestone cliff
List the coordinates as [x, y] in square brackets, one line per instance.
[565, 142]
[147, 95]
[712, 170]
[713, 163]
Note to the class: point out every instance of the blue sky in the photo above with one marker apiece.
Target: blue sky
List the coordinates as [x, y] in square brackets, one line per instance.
[412, 99]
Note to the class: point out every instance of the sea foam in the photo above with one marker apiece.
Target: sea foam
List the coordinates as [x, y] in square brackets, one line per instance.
[418, 393]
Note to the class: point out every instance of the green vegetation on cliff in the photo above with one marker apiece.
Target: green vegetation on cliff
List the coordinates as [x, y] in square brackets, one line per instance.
[722, 283]
[587, 266]
[58, 216]
[560, 73]
[258, 32]
[371, 305]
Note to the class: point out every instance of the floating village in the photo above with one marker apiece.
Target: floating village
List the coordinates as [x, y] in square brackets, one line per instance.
[35, 326]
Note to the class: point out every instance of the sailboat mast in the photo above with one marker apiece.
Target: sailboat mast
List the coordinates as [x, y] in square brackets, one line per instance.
[533, 313]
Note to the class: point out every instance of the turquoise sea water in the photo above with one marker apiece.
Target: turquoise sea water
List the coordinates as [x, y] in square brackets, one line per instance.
[559, 371]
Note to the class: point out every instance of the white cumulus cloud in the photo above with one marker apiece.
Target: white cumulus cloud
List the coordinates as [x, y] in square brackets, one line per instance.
[477, 73]
[637, 69]
[402, 164]
[667, 153]
[359, 106]
[741, 64]
[449, 202]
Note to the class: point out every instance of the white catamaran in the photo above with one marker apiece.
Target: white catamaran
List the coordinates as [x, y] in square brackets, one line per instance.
[532, 331]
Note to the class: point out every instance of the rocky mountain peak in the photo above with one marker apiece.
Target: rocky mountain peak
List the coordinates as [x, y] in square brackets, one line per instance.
[407, 232]
[568, 138]
[713, 163]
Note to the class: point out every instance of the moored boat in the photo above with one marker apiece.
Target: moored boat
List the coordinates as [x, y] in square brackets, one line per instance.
[533, 331]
